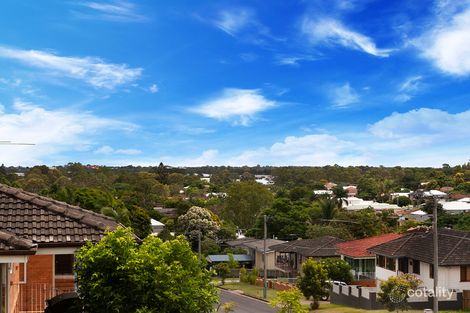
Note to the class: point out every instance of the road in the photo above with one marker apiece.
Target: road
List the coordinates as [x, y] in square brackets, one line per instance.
[244, 304]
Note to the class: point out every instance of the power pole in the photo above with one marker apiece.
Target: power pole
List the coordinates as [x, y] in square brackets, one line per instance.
[265, 279]
[436, 259]
[199, 244]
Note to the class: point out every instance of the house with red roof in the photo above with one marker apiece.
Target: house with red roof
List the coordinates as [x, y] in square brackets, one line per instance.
[362, 261]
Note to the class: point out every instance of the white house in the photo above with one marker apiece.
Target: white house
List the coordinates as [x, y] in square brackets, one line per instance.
[354, 204]
[456, 207]
[412, 253]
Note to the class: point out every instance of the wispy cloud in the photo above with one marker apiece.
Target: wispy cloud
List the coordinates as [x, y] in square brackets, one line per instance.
[154, 88]
[118, 11]
[108, 150]
[243, 24]
[92, 70]
[234, 21]
[55, 132]
[293, 60]
[344, 96]
[409, 88]
[237, 105]
[333, 32]
[447, 43]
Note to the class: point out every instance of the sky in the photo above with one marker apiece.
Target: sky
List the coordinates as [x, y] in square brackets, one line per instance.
[192, 83]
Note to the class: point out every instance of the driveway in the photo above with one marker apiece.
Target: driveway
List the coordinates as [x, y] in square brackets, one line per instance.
[244, 304]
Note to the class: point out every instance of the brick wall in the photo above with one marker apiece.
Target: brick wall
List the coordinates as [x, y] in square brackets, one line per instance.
[40, 270]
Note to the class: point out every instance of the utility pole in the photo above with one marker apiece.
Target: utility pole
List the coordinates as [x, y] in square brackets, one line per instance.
[436, 259]
[199, 244]
[265, 279]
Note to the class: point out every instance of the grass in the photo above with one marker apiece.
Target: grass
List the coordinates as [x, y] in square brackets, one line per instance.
[257, 292]
[250, 290]
[335, 308]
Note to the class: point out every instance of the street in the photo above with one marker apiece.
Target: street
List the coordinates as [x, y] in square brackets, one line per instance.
[244, 304]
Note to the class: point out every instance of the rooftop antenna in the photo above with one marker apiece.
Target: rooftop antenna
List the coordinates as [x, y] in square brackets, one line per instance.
[12, 143]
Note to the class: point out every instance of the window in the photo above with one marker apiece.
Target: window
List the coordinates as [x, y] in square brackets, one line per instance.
[64, 264]
[465, 273]
[390, 264]
[22, 272]
[416, 267]
[381, 261]
[431, 270]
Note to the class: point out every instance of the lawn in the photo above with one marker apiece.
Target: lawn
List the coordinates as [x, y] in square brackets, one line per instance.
[249, 290]
[325, 307]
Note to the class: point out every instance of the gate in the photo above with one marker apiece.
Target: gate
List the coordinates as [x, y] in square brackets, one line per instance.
[466, 299]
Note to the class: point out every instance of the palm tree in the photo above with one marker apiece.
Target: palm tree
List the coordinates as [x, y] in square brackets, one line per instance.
[329, 208]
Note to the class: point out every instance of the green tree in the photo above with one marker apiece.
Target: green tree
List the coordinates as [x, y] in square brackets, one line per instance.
[338, 270]
[336, 230]
[288, 301]
[222, 270]
[140, 222]
[117, 275]
[245, 202]
[313, 281]
[394, 292]
[329, 208]
[402, 201]
[198, 221]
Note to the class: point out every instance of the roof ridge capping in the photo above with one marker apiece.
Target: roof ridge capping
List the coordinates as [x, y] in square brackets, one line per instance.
[87, 217]
[16, 242]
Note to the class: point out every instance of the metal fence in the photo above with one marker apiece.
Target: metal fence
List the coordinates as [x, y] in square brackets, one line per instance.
[32, 298]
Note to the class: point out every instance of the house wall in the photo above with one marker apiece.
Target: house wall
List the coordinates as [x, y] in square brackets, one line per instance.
[270, 260]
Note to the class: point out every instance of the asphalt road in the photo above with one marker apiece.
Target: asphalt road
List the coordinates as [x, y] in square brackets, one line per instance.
[244, 304]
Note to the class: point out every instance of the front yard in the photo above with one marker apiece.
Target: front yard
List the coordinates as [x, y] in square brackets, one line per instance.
[326, 307]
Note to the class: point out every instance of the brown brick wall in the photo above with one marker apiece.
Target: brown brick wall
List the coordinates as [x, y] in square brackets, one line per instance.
[65, 284]
[40, 270]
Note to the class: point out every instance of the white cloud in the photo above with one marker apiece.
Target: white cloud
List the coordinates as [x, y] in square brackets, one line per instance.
[423, 124]
[293, 60]
[107, 150]
[53, 132]
[409, 88]
[316, 149]
[118, 11]
[238, 105]
[92, 70]
[447, 44]
[235, 20]
[154, 88]
[344, 96]
[331, 31]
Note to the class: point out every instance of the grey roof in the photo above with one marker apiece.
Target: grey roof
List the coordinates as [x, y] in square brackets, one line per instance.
[317, 247]
[34, 219]
[256, 244]
[454, 247]
[224, 258]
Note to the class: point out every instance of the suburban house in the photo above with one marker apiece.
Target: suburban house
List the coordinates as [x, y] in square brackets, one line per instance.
[456, 207]
[412, 253]
[242, 259]
[354, 204]
[157, 226]
[255, 249]
[350, 190]
[290, 255]
[38, 239]
[362, 261]
[412, 215]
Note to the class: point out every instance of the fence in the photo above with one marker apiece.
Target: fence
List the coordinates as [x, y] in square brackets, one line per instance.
[32, 298]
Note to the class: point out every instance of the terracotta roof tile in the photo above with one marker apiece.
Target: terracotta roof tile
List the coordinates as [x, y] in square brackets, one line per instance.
[358, 248]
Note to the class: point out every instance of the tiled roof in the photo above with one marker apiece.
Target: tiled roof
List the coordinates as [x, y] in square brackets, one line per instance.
[12, 244]
[358, 248]
[318, 247]
[252, 243]
[454, 247]
[48, 222]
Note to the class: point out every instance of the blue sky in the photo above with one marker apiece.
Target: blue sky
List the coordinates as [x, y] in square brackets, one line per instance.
[274, 82]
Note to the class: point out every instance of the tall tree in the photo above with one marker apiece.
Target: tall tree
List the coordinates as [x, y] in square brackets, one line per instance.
[245, 202]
